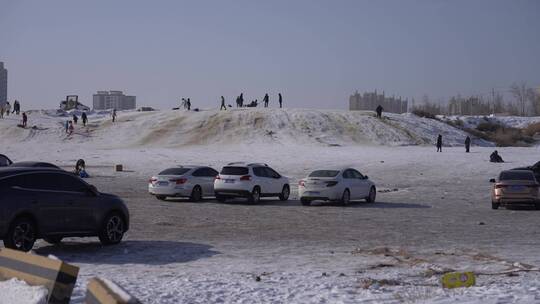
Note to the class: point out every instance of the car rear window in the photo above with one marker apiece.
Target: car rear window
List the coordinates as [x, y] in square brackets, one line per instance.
[324, 173]
[174, 171]
[516, 175]
[234, 171]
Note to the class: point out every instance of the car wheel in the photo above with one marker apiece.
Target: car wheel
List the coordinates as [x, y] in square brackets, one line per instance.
[494, 205]
[21, 235]
[53, 239]
[161, 197]
[220, 198]
[346, 197]
[285, 193]
[255, 195]
[112, 230]
[196, 194]
[305, 202]
[372, 195]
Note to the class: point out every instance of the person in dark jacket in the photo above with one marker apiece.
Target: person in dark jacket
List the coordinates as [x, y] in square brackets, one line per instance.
[75, 119]
[379, 110]
[24, 119]
[113, 115]
[223, 107]
[495, 157]
[467, 144]
[84, 118]
[266, 99]
[16, 107]
[241, 99]
[280, 101]
[439, 143]
[188, 104]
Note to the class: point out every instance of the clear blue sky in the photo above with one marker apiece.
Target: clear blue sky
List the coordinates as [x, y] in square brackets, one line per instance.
[315, 52]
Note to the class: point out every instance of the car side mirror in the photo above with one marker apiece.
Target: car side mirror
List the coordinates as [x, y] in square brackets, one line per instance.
[492, 180]
[366, 177]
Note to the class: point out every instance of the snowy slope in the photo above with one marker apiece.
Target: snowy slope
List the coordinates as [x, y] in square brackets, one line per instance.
[509, 121]
[236, 126]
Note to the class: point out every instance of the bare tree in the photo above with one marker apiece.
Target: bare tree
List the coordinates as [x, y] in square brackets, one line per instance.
[523, 94]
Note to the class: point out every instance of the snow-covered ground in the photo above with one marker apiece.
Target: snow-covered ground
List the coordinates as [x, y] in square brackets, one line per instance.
[432, 215]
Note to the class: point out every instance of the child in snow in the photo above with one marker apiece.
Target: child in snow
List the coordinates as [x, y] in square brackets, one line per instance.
[71, 128]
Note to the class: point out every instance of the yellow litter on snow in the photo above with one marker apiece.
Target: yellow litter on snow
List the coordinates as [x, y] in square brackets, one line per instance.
[458, 279]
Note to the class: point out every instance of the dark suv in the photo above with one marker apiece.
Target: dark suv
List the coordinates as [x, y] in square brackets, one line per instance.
[53, 204]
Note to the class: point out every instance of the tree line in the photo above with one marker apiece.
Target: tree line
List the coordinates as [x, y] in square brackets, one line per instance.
[522, 100]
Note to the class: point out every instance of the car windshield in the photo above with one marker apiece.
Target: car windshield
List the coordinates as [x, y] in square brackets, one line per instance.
[234, 171]
[324, 173]
[174, 171]
[516, 175]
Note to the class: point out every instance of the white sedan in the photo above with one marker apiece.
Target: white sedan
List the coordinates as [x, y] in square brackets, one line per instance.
[194, 182]
[340, 185]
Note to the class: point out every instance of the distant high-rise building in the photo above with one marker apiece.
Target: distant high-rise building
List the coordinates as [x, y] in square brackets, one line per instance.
[104, 100]
[3, 84]
[370, 100]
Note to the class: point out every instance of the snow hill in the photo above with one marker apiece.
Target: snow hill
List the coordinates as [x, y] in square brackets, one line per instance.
[171, 129]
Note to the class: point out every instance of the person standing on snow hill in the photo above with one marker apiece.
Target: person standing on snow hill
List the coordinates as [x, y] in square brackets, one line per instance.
[75, 118]
[7, 106]
[2, 111]
[67, 126]
[266, 99]
[439, 143]
[188, 104]
[24, 119]
[467, 144]
[84, 118]
[280, 101]
[16, 107]
[113, 115]
[223, 107]
[71, 128]
[379, 110]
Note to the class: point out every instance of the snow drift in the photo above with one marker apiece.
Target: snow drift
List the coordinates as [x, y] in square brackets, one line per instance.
[237, 126]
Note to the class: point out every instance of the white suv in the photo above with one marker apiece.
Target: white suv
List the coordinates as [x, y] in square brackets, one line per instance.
[252, 181]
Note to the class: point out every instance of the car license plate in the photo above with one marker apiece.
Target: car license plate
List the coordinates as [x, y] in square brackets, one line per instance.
[229, 181]
[517, 188]
[163, 183]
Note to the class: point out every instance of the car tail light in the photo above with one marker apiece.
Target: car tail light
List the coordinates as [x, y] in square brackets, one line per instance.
[152, 180]
[302, 183]
[179, 181]
[245, 178]
[331, 183]
[217, 177]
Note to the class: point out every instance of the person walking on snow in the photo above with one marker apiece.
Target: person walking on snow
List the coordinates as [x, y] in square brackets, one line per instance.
[379, 110]
[71, 128]
[84, 118]
[241, 99]
[280, 101]
[266, 99]
[2, 111]
[439, 143]
[24, 119]
[188, 104]
[113, 115]
[75, 118]
[16, 107]
[467, 144]
[223, 107]
[67, 126]
[7, 108]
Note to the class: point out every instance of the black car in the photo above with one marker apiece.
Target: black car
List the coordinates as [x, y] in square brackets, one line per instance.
[5, 161]
[34, 164]
[53, 204]
[534, 168]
